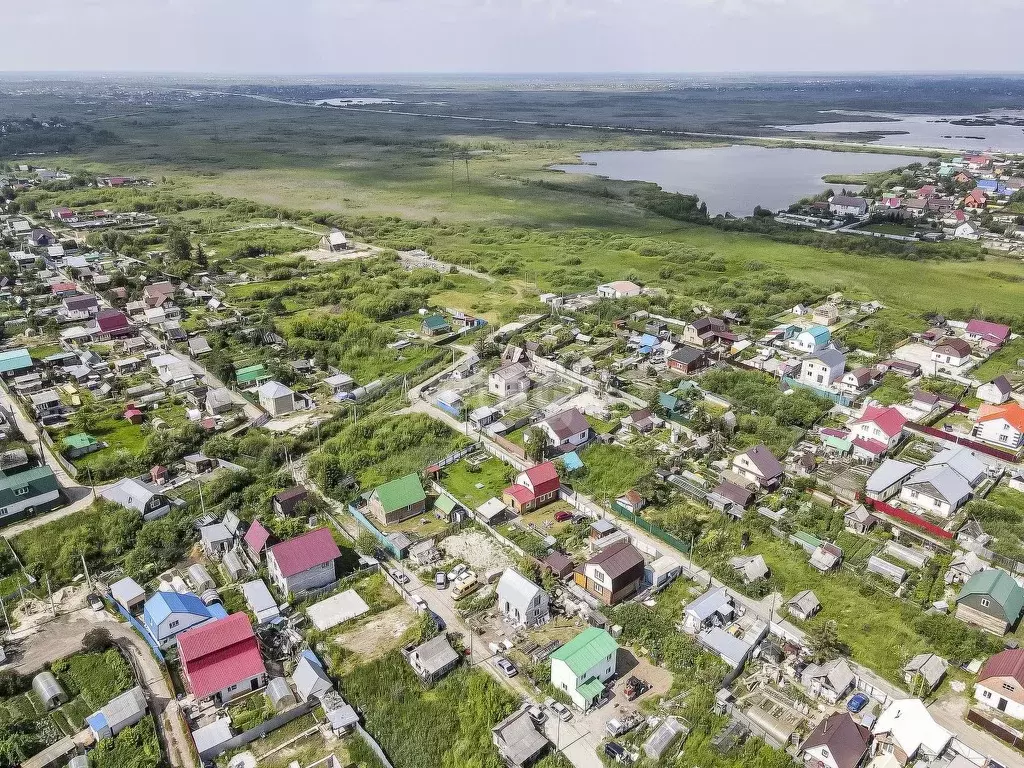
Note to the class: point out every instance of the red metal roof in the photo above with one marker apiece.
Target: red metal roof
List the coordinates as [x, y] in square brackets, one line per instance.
[111, 320]
[1008, 663]
[61, 287]
[985, 329]
[889, 420]
[871, 446]
[520, 493]
[220, 654]
[543, 478]
[304, 552]
[256, 537]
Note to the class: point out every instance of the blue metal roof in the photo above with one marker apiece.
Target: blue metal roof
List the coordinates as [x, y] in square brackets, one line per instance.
[572, 461]
[97, 721]
[163, 604]
[648, 340]
[15, 360]
[820, 333]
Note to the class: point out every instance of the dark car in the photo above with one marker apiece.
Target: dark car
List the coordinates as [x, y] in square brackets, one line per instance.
[438, 621]
[561, 517]
[857, 702]
[616, 752]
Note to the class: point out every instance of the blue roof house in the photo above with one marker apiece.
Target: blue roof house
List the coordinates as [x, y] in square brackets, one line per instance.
[167, 614]
[988, 185]
[15, 360]
[814, 339]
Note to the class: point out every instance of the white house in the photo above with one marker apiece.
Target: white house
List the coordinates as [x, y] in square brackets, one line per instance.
[995, 392]
[953, 352]
[620, 289]
[119, 713]
[509, 380]
[1001, 683]
[945, 483]
[304, 563]
[846, 205]
[712, 609]
[276, 399]
[567, 430]
[758, 465]
[966, 231]
[521, 601]
[580, 667]
[813, 339]
[877, 431]
[823, 368]
[1001, 425]
[907, 731]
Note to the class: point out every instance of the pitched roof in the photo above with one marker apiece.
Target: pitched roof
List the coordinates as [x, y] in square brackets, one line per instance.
[518, 738]
[1008, 663]
[805, 602]
[274, 390]
[306, 551]
[999, 586]
[958, 346]
[961, 460]
[911, 725]
[845, 738]
[256, 537]
[111, 320]
[686, 355]
[585, 650]
[568, 423]
[889, 420]
[942, 481]
[764, 460]
[711, 602]
[618, 559]
[1012, 412]
[988, 330]
[831, 357]
[513, 584]
[543, 477]
[734, 493]
[163, 604]
[219, 654]
[400, 493]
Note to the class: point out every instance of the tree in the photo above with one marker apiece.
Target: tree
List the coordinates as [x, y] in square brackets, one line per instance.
[824, 643]
[367, 543]
[535, 440]
[97, 640]
[199, 257]
[178, 245]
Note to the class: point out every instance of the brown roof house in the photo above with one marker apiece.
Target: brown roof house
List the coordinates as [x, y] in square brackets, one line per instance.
[284, 502]
[758, 465]
[567, 430]
[838, 741]
[1001, 683]
[613, 574]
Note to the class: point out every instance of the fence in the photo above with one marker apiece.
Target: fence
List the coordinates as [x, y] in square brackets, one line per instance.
[974, 445]
[1000, 731]
[645, 525]
[835, 397]
[910, 518]
[373, 745]
[385, 542]
[137, 626]
[57, 455]
[260, 730]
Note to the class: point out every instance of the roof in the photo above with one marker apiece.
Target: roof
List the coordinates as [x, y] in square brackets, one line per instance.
[568, 423]
[435, 322]
[435, 654]
[686, 355]
[274, 390]
[310, 678]
[752, 568]
[212, 736]
[126, 591]
[80, 440]
[306, 551]
[400, 493]
[889, 472]
[516, 588]
[622, 286]
[513, 371]
[726, 645]
[711, 602]
[15, 360]
[543, 477]
[618, 559]
[256, 537]
[1008, 663]
[929, 666]
[259, 599]
[845, 738]
[734, 493]
[219, 654]
[131, 493]
[1000, 587]
[806, 602]
[912, 726]
[941, 481]
[836, 673]
[1012, 412]
[125, 707]
[889, 420]
[1002, 384]
[214, 533]
[988, 330]
[111, 320]
[764, 460]
[519, 741]
[40, 478]
[164, 604]
[589, 647]
[250, 374]
[848, 201]
[959, 346]
[831, 357]
[337, 609]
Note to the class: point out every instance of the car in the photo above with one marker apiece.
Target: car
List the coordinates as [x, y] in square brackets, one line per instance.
[857, 702]
[95, 602]
[561, 517]
[438, 622]
[616, 752]
[457, 571]
[440, 580]
[399, 577]
[561, 711]
[635, 688]
[537, 714]
[421, 604]
[507, 667]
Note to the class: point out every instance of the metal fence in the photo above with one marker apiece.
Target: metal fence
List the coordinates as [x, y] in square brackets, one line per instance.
[655, 530]
[137, 626]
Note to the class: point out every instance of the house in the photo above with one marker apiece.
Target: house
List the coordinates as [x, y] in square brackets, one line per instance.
[1001, 683]
[641, 420]
[221, 660]
[963, 566]
[951, 351]
[631, 501]
[310, 679]
[143, 497]
[967, 231]
[75, 308]
[888, 480]
[340, 382]
[256, 540]
[613, 574]
[252, 374]
[859, 520]
[27, 492]
[128, 594]
[284, 503]
[837, 741]
[715, 608]
[733, 649]
[619, 289]
[215, 539]
[659, 573]
[829, 681]
[826, 314]
[730, 498]
[749, 569]
[559, 564]
[14, 360]
[398, 500]
[826, 557]
[801, 310]
[924, 672]
[520, 601]
[433, 659]
[157, 294]
[276, 399]
[198, 346]
[334, 241]
[823, 368]
[758, 465]
[41, 238]
[166, 615]
[975, 200]
[304, 563]
[705, 332]
[995, 392]
[112, 324]
[992, 335]
[119, 713]
[580, 667]
[518, 741]
[687, 360]
[847, 205]
[857, 380]
[991, 600]
[435, 325]
[566, 431]
[906, 730]
[450, 402]
[509, 380]
[218, 401]
[904, 368]
[804, 605]
[945, 482]
[533, 488]
[1001, 425]
[877, 431]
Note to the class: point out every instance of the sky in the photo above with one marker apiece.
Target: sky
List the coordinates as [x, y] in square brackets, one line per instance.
[494, 36]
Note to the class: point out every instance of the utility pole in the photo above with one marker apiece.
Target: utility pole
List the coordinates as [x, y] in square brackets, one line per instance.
[202, 502]
[88, 581]
[49, 594]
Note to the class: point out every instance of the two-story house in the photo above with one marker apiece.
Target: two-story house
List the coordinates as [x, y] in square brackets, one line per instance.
[221, 659]
[838, 741]
[520, 601]
[824, 368]
[534, 487]
[567, 431]
[1001, 683]
[304, 563]
[951, 352]
[758, 465]
[877, 431]
[811, 340]
[509, 380]
[613, 574]
[580, 667]
[27, 492]
[166, 615]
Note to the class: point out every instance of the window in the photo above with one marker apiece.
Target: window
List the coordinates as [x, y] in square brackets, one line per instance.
[1008, 687]
[173, 624]
[985, 602]
[986, 694]
[21, 491]
[824, 751]
[232, 687]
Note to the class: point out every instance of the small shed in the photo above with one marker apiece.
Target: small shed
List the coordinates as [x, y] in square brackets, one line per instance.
[216, 539]
[128, 594]
[121, 712]
[200, 578]
[280, 694]
[309, 677]
[886, 570]
[260, 601]
[234, 565]
[48, 690]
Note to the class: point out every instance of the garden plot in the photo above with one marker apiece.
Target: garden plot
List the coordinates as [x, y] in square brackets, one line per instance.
[380, 634]
[478, 550]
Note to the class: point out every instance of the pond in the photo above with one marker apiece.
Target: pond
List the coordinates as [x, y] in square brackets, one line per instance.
[736, 178]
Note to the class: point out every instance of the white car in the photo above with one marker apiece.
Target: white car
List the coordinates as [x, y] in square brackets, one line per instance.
[457, 571]
[561, 711]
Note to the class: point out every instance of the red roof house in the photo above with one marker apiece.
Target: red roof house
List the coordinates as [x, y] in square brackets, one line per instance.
[1001, 683]
[990, 334]
[134, 415]
[976, 199]
[64, 289]
[304, 563]
[256, 539]
[111, 323]
[533, 488]
[221, 659]
[878, 430]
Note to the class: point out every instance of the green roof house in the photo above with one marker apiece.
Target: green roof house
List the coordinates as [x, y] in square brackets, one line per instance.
[581, 666]
[445, 504]
[27, 493]
[253, 374]
[991, 600]
[80, 444]
[435, 325]
[398, 500]
[15, 360]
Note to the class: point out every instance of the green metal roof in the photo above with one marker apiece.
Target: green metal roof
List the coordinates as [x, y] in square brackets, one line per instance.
[39, 479]
[250, 374]
[15, 360]
[400, 493]
[1000, 587]
[844, 446]
[444, 503]
[81, 440]
[586, 649]
[435, 322]
[591, 689]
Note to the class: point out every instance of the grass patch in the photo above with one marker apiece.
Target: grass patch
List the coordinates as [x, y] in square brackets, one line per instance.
[462, 478]
[610, 470]
[1002, 362]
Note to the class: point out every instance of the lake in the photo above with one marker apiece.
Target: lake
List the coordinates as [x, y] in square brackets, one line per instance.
[739, 177]
[930, 130]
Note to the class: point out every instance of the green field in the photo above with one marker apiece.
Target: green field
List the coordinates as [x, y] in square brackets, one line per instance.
[461, 481]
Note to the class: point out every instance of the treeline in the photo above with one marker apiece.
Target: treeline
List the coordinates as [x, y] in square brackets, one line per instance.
[53, 136]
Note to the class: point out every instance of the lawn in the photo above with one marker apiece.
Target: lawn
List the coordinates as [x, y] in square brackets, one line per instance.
[610, 470]
[1002, 362]
[95, 678]
[462, 479]
[889, 228]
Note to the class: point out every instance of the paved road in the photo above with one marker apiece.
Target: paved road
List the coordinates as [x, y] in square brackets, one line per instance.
[63, 636]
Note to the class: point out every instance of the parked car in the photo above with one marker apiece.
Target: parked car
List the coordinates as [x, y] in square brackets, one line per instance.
[457, 571]
[616, 752]
[537, 714]
[857, 702]
[421, 604]
[635, 687]
[507, 667]
[95, 602]
[561, 517]
[561, 711]
[438, 622]
[399, 577]
[440, 580]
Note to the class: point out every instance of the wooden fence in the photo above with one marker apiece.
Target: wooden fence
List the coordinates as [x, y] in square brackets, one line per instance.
[1002, 732]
